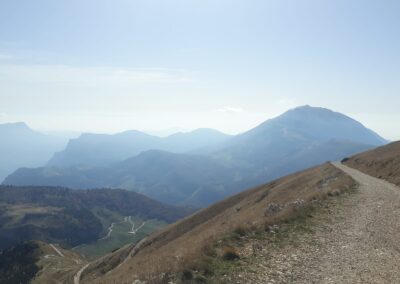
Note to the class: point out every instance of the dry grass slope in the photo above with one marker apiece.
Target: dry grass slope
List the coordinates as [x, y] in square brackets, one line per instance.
[382, 162]
[188, 241]
[57, 264]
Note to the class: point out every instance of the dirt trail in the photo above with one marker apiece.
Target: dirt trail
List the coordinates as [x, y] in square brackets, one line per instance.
[57, 250]
[357, 241]
[77, 276]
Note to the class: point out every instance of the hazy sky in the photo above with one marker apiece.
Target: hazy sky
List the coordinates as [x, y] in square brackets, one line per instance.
[107, 66]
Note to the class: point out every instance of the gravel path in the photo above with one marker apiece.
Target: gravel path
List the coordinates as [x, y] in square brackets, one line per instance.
[356, 240]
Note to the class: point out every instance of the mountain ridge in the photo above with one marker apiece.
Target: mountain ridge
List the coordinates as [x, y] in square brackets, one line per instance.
[21, 146]
[299, 138]
[104, 149]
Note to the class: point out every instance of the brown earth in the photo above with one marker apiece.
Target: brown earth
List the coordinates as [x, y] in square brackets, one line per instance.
[56, 264]
[382, 162]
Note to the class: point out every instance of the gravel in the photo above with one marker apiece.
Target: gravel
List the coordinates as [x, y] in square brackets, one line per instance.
[355, 240]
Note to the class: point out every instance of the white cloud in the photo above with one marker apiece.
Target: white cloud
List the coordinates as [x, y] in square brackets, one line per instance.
[229, 109]
[92, 76]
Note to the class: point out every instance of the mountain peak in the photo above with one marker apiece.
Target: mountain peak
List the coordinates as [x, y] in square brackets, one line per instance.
[315, 124]
[312, 110]
[15, 125]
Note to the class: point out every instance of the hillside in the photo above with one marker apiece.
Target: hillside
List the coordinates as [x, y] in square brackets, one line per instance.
[168, 177]
[21, 146]
[105, 149]
[382, 162]
[300, 138]
[37, 262]
[72, 217]
[183, 244]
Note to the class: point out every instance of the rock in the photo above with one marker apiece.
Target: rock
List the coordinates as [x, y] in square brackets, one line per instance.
[272, 209]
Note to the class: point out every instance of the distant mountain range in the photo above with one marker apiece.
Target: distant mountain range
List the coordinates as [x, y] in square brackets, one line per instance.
[21, 146]
[104, 149]
[173, 178]
[203, 169]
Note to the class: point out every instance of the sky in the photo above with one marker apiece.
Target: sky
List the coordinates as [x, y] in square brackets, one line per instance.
[153, 65]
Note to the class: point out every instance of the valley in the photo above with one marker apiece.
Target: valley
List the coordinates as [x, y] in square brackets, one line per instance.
[75, 217]
[129, 230]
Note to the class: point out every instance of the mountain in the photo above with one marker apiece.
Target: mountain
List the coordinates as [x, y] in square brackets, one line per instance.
[72, 217]
[382, 162]
[294, 131]
[300, 138]
[20, 146]
[168, 177]
[104, 149]
[202, 245]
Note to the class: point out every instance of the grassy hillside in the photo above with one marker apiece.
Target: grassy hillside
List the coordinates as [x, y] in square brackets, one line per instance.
[382, 162]
[181, 245]
[72, 217]
[38, 262]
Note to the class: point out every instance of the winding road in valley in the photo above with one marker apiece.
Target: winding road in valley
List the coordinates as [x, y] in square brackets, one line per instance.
[110, 229]
[126, 219]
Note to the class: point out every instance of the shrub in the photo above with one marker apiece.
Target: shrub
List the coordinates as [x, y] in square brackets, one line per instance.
[200, 279]
[206, 266]
[240, 231]
[209, 250]
[229, 253]
[187, 275]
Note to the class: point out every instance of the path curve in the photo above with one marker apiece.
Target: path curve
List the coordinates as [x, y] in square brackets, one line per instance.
[134, 249]
[77, 276]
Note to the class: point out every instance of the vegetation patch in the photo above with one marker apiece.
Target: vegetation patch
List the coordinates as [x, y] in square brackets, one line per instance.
[18, 264]
[299, 220]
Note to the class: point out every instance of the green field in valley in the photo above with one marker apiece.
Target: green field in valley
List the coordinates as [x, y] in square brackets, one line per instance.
[128, 230]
